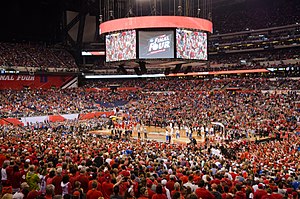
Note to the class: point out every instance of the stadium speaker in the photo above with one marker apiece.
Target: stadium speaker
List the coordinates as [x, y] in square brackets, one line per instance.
[177, 68]
[188, 69]
[123, 70]
[143, 67]
[137, 71]
[167, 71]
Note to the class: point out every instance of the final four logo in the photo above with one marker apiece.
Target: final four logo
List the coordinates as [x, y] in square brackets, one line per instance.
[159, 44]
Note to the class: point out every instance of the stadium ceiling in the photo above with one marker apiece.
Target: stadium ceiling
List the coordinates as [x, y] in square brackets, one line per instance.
[125, 8]
[93, 5]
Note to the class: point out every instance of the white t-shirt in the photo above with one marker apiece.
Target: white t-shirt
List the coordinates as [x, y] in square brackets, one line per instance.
[172, 131]
[189, 184]
[3, 174]
[202, 129]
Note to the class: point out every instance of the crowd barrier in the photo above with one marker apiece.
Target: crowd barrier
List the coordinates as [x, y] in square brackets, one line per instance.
[24, 121]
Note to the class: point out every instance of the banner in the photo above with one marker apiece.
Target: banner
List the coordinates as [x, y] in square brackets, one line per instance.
[19, 82]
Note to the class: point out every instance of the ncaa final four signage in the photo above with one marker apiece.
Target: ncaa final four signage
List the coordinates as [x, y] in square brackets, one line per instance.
[17, 77]
[159, 44]
[156, 44]
[18, 82]
[153, 37]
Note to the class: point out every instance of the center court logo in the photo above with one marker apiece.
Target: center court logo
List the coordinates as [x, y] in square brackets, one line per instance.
[159, 44]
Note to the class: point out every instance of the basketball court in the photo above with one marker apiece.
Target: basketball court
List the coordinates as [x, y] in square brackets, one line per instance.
[158, 134]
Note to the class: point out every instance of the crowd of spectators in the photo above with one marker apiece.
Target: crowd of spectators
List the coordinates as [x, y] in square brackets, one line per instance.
[64, 160]
[192, 102]
[249, 45]
[43, 102]
[274, 35]
[286, 69]
[65, 101]
[263, 55]
[35, 55]
[249, 15]
[197, 109]
[265, 58]
[194, 84]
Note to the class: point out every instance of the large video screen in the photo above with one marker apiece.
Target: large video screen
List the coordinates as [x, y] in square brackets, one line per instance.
[191, 44]
[121, 46]
[156, 44]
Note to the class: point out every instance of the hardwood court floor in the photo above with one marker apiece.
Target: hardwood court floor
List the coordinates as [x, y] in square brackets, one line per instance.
[158, 134]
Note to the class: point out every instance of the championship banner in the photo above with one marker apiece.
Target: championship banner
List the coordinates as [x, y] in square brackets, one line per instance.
[19, 82]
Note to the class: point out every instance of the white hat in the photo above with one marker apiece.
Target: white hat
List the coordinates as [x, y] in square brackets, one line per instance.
[59, 170]
[164, 182]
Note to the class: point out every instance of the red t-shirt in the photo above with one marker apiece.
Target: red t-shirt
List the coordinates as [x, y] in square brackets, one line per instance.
[276, 196]
[16, 180]
[72, 179]
[123, 187]
[56, 181]
[98, 187]
[84, 182]
[170, 185]
[204, 194]
[93, 194]
[259, 193]
[150, 192]
[107, 189]
[159, 196]
[33, 194]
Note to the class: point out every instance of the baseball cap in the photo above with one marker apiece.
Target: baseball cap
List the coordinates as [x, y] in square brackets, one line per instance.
[164, 182]
[76, 193]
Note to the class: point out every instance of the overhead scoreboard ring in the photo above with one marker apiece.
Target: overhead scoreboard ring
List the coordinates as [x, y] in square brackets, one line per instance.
[156, 22]
[156, 38]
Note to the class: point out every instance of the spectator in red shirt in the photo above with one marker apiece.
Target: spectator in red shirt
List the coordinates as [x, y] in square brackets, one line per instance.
[203, 193]
[159, 193]
[94, 193]
[268, 195]
[170, 183]
[10, 172]
[33, 194]
[260, 192]
[78, 191]
[107, 187]
[2, 157]
[72, 176]
[84, 181]
[226, 194]
[149, 186]
[50, 177]
[239, 194]
[176, 189]
[17, 179]
[94, 178]
[57, 182]
[275, 194]
[49, 191]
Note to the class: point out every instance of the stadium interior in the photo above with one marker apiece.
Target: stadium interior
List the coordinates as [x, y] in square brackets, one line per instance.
[154, 112]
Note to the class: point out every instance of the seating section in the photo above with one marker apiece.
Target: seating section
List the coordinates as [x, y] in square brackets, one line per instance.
[34, 55]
